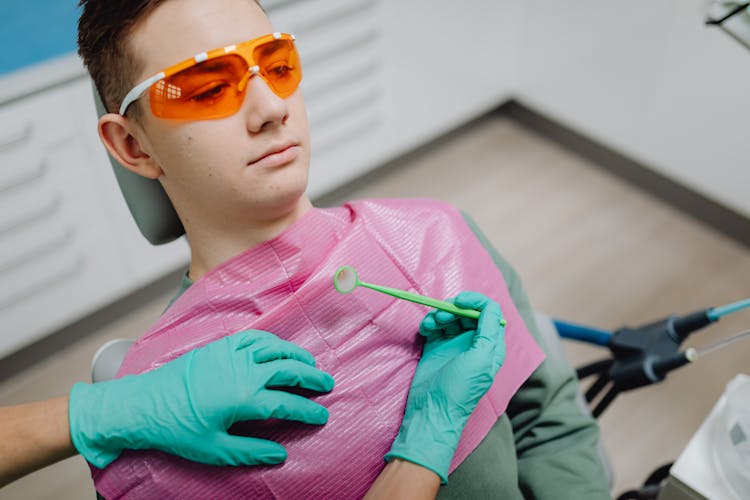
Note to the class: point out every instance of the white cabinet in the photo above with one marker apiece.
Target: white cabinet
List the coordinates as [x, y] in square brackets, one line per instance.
[68, 245]
[58, 259]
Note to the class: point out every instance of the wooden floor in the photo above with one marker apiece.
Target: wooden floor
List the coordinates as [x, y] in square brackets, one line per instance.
[589, 248]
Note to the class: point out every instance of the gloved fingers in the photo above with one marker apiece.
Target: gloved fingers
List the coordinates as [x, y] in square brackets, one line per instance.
[247, 338]
[444, 318]
[465, 300]
[489, 319]
[488, 337]
[491, 314]
[438, 323]
[476, 301]
[500, 350]
[429, 328]
[472, 300]
[467, 324]
[288, 406]
[282, 349]
[228, 449]
[269, 347]
[453, 324]
[292, 373]
[443, 323]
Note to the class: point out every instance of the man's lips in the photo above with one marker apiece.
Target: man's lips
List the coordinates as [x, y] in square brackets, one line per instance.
[277, 156]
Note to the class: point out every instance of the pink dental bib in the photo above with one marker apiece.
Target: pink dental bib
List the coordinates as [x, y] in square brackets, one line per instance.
[367, 341]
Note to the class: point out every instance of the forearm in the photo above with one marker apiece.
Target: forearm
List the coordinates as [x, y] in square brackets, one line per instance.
[403, 479]
[33, 436]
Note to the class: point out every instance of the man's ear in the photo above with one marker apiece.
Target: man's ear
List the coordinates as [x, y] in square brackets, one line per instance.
[119, 137]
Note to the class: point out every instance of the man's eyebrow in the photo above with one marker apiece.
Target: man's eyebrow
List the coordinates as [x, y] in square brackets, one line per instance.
[271, 48]
[211, 65]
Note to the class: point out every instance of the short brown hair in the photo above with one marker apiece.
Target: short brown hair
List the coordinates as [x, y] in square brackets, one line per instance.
[103, 30]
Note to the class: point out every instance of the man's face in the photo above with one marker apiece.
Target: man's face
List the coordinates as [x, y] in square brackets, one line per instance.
[253, 162]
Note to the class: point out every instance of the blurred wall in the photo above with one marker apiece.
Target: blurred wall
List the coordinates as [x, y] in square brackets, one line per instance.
[648, 79]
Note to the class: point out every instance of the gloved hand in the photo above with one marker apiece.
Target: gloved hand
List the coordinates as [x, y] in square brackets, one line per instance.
[186, 406]
[460, 359]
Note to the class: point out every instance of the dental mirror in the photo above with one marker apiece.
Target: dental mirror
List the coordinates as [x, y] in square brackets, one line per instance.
[345, 280]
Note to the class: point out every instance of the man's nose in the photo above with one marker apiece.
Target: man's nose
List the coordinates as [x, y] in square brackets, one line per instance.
[262, 107]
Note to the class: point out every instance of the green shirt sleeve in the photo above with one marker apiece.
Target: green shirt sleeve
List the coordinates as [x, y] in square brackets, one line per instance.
[555, 441]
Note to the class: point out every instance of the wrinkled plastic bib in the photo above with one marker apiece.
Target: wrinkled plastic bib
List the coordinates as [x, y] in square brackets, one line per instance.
[367, 341]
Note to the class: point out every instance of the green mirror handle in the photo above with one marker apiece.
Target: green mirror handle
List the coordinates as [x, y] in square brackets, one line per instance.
[427, 301]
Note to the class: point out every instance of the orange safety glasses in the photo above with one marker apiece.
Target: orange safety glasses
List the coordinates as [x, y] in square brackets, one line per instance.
[212, 85]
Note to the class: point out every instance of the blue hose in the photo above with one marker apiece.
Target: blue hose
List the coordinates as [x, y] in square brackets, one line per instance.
[582, 333]
[717, 312]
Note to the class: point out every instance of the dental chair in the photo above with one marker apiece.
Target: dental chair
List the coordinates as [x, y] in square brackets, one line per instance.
[157, 220]
[153, 212]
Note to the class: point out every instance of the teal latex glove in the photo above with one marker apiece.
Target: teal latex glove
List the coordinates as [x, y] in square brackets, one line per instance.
[460, 359]
[186, 406]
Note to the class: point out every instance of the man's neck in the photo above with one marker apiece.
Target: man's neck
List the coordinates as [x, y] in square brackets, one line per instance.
[210, 245]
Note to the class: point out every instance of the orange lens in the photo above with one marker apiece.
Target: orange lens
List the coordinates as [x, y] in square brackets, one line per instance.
[279, 66]
[215, 88]
[203, 91]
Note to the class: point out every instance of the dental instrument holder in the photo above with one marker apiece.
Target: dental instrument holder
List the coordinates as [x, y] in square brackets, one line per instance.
[640, 356]
[646, 354]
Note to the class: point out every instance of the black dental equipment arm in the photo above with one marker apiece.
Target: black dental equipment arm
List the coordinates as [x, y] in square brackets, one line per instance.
[641, 355]
[644, 355]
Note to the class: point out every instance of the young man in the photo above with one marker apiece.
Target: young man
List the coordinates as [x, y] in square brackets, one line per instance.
[225, 133]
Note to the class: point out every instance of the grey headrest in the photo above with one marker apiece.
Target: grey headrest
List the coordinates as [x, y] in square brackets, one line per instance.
[146, 199]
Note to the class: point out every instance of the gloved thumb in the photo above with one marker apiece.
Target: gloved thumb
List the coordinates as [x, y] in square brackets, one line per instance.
[490, 325]
[228, 449]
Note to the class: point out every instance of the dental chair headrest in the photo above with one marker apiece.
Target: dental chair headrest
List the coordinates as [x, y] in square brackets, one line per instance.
[148, 202]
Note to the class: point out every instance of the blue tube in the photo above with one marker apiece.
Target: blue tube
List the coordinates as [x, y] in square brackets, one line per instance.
[717, 312]
[582, 333]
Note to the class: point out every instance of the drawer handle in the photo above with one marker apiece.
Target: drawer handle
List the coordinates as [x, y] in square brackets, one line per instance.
[26, 177]
[34, 216]
[47, 247]
[61, 276]
[19, 137]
